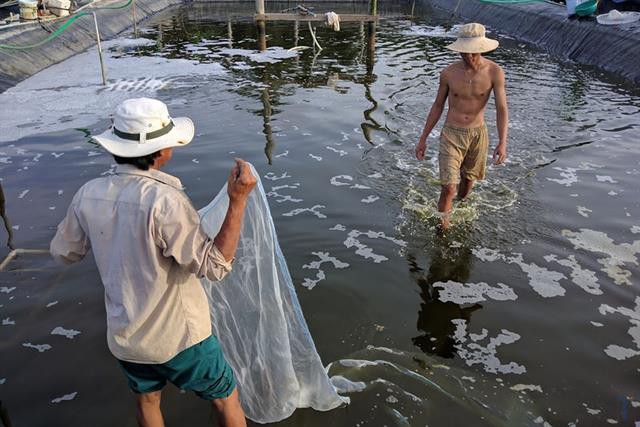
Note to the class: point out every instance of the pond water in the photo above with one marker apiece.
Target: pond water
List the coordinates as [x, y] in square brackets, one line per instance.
[527, 312]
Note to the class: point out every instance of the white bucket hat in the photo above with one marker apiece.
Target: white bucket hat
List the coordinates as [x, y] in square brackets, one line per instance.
[471, 39]
[143, 126]
[615, 18]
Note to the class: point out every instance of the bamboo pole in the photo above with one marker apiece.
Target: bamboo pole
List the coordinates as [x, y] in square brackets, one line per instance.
[260, 7]
[262, 36]
[373, 7]
[135, 20]
[102, 68]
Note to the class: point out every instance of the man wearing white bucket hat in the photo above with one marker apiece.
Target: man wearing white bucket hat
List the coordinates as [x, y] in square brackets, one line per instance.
[467, 84]
[150, 251]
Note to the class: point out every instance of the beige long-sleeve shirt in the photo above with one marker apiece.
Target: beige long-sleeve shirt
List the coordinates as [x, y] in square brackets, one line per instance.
[150, 250]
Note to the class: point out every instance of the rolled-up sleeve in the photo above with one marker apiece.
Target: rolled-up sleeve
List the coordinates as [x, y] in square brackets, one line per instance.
[70, 244]
[178, 234]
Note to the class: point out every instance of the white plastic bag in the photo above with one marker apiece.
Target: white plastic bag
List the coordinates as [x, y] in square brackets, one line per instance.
[257, 317]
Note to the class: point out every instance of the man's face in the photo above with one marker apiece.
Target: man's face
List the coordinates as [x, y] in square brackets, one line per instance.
[471, 59]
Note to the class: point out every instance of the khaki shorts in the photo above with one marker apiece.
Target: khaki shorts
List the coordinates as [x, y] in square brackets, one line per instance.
[463, 152]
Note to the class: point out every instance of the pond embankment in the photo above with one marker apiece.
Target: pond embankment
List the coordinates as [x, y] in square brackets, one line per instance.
[614, 48]
[19, 64]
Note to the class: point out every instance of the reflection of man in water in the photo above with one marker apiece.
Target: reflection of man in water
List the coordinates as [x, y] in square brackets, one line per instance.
[435, 316]
[464, 141]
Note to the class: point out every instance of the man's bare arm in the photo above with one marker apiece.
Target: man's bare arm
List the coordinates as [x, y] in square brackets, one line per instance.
[434, 115]
[240, 183]
[502, 116]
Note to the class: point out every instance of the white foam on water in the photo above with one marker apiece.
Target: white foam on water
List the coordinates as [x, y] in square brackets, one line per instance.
[3, 380]
[569, 175]
[471, 349]
[280, 187]
[51, 304]
[543, 281]
[526, 387]
[391, 399]
[343, 385]
[585, 279]
[597, 324]
[470, 293]
[79, 100]
[432, 31]
[273, 177]
[23, 193]
[635, 229]
[370, 199]
[284, 154]
[338, 227]
[591, 411]
[314, 157]
[612, 421]
[488, 254]
[40, 347]
[8, 322]
[376, 175]
[365, 251]
[470, 379]
[325, 258]
[313, 210]
[311, 283]
[272, 55]
[622, 353]
[339, 180]
[617, 255]
[358, 363]
[65, 398]
[281, 198]
[7, 290]
[335, 150]
[69, 333]
[606, 178]
[584, 211]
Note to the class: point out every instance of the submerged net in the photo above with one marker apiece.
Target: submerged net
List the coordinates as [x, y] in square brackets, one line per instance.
[257, 317]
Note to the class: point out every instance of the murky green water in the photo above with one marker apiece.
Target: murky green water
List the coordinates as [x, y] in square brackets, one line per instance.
[527, 312]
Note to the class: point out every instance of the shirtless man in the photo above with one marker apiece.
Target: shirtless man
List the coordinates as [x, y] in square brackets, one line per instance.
[464, 142]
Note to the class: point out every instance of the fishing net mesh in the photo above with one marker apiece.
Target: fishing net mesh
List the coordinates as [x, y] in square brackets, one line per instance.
[257, 317]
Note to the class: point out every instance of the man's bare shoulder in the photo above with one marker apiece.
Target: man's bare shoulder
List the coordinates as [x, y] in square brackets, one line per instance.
[495, 69]
[449, 69]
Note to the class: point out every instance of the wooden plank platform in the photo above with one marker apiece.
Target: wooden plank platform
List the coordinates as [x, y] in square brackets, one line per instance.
[319, 17]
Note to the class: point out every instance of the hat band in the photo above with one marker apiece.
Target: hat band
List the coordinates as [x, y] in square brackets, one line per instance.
[143, 137]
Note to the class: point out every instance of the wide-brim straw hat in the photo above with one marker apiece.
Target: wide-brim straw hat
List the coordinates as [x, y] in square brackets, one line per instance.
[616, 18]
[142, 126]
[471, 39]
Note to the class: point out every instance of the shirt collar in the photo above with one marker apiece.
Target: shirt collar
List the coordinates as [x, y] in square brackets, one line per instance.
[155, 174]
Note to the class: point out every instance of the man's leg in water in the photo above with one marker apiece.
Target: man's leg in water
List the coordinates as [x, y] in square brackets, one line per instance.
[230, 413]
[465, 187]
[447, 194]
[149, 414]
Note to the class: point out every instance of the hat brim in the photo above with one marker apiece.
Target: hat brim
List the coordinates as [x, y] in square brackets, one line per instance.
[181, 135]
[473, 45]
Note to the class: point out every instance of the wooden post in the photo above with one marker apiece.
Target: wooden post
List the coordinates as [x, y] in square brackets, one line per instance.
[260, 7]
[296, 33]
[373, 7]
[413, 8]
[262, 35]
[230, 34]
[135, 20]
[104, 72]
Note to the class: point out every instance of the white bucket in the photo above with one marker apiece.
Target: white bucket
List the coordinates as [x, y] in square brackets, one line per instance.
[28, 9]
[59, 7]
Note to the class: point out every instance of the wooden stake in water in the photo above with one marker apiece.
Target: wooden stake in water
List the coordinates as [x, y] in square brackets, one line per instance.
[373, 7]
[104, 72]
[260, 7]
[135, 20]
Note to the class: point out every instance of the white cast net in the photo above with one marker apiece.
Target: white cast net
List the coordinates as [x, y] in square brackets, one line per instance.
[257, 317]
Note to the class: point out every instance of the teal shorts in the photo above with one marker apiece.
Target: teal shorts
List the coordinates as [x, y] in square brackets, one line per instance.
[200, 368]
